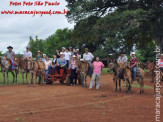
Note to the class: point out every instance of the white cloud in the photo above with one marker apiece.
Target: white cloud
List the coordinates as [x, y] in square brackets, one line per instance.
[15, 30]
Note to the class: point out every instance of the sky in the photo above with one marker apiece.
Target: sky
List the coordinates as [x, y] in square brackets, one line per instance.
[15, 30]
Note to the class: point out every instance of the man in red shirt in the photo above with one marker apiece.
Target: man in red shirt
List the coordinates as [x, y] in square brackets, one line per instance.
[133, 65]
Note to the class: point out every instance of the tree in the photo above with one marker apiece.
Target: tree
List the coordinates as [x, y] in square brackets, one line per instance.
[148, 14]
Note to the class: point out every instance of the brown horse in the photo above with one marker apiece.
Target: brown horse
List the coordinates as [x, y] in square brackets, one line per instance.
[35, 67]
[152, 68]
[118, 73]
[83, 69]
[6, 67]
[128, 77]
[23, 66]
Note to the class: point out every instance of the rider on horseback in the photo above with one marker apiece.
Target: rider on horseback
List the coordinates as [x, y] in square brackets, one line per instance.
[88, 57]
[27, 53]
[133, 65]
[10, 55]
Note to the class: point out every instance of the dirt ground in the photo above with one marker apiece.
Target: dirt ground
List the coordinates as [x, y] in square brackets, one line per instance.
[61, 103]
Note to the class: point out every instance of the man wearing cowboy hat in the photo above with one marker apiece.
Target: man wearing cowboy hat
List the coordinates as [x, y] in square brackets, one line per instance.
[38, 57]
[122, 58]
[10, 55]
[133, 65]
[27, 53]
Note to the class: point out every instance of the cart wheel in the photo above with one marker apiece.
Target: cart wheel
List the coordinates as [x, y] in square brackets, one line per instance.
[61, 81]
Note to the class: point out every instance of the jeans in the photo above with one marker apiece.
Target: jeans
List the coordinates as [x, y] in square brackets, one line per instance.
[134, 69]
[12, 65]
[73, 76]
[89, 68]
[49, 69]
[67, 65]
[46, 72]
[95, 77]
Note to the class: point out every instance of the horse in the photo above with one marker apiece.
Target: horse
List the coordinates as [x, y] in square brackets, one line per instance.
[83, 69]
[6, 67]
[118, 73]
[35, 67]
[152, 67]
[23, 66]
[128, 77]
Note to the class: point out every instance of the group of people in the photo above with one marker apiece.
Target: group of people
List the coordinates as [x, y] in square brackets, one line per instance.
[66, 58]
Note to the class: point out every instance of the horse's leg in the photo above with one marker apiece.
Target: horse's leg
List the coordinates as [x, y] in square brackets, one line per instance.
[22, 76]
[119, 84]
[3, 77]
[26, 77]
[34, 78]
[12, 72]
[85, 78]
[30, 78]
[7, 78]
[16, 74]
[115, 84]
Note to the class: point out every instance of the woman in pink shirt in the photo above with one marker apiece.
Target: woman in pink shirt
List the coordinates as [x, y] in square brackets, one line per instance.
[97, 67]
[160, 62]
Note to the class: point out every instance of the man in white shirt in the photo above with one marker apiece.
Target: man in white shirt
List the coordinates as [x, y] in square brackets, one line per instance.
[27, 53]
[88, 57]
[67, 55]
[122, 58]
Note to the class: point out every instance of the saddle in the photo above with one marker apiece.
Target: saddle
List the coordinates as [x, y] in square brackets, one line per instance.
[11, 63]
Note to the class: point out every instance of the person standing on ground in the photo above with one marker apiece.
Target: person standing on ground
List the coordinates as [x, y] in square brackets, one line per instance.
[67, 57]
[97, 67]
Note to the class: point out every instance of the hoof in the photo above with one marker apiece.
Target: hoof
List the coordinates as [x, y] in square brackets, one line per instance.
[130, 92]
[141, 91]
[120, 90]
[115, 90]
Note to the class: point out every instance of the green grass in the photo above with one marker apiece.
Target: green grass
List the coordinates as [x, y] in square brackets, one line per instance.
[104, 71]
[138, 86]
[19, 79]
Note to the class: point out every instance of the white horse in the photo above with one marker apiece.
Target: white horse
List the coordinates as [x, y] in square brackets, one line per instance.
[6, 67]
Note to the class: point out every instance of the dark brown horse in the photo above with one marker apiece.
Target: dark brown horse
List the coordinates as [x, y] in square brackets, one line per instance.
[118, 73]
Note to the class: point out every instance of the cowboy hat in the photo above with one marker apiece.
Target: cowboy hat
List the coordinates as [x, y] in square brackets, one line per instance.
[61, 53]
[39, 51]
[28, 47]
[9, 47]
[122, 52]
[133, 53]
[44, 54]
[63, 48]
[74, 56]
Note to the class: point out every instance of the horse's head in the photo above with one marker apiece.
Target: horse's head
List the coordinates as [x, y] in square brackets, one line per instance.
[84, 68]
[122, 65]
[5, 63]
[30, 64]
[111, 64]
[150, 66]
[111, 67]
